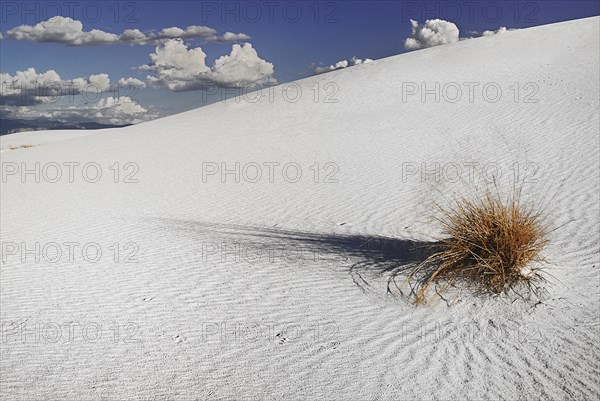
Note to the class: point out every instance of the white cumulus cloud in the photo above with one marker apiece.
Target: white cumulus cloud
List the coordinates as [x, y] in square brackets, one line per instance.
[109, 110]
[47, 100]
[342, 64]
[131, 83]
[133, 36]
[67, 31]
[100, 82]
[62, 30]
[433, 32]
[229, 37]
[194, 31]
[178, 68]
[502, 29]
[117, 111]
[29, 87]
[478, 34]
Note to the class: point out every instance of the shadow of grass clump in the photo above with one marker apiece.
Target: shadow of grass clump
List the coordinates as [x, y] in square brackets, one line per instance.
[365, 258]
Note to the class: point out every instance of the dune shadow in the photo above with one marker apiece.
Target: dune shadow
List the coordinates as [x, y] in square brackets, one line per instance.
[365, 258]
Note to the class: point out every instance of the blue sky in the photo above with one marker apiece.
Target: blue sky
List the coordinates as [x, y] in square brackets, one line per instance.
[294, 36]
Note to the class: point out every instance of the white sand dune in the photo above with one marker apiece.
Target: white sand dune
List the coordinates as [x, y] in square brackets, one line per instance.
[187, 312]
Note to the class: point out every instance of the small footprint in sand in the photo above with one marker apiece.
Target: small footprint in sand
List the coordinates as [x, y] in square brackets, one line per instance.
[281, 338]
[178, 339]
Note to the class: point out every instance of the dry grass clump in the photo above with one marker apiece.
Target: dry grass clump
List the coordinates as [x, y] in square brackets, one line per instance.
[489, 243]
[20, 147]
